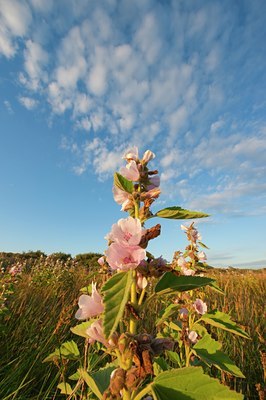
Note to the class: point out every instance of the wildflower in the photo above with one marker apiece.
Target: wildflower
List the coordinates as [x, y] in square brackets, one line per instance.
[154, 182]
[181, 262]
[131, 154]
[130, 171]
[90, 306]
[126, 231]
[101, 261]
[95, 332]
[124, 257]
[187, 271]
[200, 306]
[123, 198]
[192, 336]
[192, 233]
[147, 156]
[202, 256]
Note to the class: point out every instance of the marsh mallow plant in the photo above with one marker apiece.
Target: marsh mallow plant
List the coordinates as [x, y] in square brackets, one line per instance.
[147, 330]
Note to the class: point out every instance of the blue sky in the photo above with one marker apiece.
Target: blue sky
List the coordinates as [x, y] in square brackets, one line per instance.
[81, 81]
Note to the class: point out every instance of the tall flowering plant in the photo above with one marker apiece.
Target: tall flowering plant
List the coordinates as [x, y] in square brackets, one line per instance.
[132, 352]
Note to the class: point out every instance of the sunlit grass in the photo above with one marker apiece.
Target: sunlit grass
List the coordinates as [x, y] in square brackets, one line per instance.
[41, 311]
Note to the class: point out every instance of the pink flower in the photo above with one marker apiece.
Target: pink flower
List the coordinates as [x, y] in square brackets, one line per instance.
[202, 256]
[124, 257]
[200, 306]
[191, 232]
[101, 261]
[123, 198]
[193, 337]
[89, 306]
[154, 182]
[181, 262]
[131, 154]
[147, 156]
[95, 332]
[126, 231]
[130, 171]
[187, 271]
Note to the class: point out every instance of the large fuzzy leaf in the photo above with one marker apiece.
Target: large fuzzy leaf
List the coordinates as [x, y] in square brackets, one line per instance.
[188, 384]
[123, 183]
[170, 282]
[209, 351]
[223, 321]
[179, 213]
[116, 292]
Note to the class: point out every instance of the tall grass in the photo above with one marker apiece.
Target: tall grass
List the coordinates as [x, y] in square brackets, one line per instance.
[41, 311]
[244, 299]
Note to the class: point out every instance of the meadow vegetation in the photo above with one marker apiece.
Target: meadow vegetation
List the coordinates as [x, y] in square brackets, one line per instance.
[39, 300]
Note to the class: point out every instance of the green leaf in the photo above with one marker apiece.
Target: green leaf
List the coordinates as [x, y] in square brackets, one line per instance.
[90, 382]
[174, 326]
[159, 365]
[200, 329]
[116, 292]
[102, 377]
[68, 350]
[174, 357]
[179, 213]
[203, 245]
[65, 388]
[209, 352]
[216, 288]
[123, 183]
[190, 384]
[170, 310]
[86, 289]
[80, 329]
[223, 321]
[170, 282]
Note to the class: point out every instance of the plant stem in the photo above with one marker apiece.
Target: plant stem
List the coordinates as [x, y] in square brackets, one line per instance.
[133, 299]
[126, 395]
[141, 297]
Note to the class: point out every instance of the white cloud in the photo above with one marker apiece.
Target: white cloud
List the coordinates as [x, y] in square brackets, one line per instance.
[35, 61]
[84, 124]
[8, 107]
[215, 126]
[15, 18]
[28, 102]
[97, 83]
[43, 6]
[82, 104]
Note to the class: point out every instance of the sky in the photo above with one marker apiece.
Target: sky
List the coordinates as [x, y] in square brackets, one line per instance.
[82, 81]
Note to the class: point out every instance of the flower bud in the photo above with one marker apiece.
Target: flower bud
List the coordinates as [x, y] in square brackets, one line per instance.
[148, 155]
[141, 281]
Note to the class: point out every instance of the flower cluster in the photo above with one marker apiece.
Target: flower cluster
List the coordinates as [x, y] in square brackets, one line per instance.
[124, 252]
[136, 170]
[196, 257]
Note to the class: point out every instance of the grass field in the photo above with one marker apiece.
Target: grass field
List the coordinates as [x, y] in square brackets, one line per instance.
[38, 308]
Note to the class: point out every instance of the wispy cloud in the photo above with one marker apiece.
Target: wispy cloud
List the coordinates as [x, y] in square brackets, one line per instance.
[28, 102]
